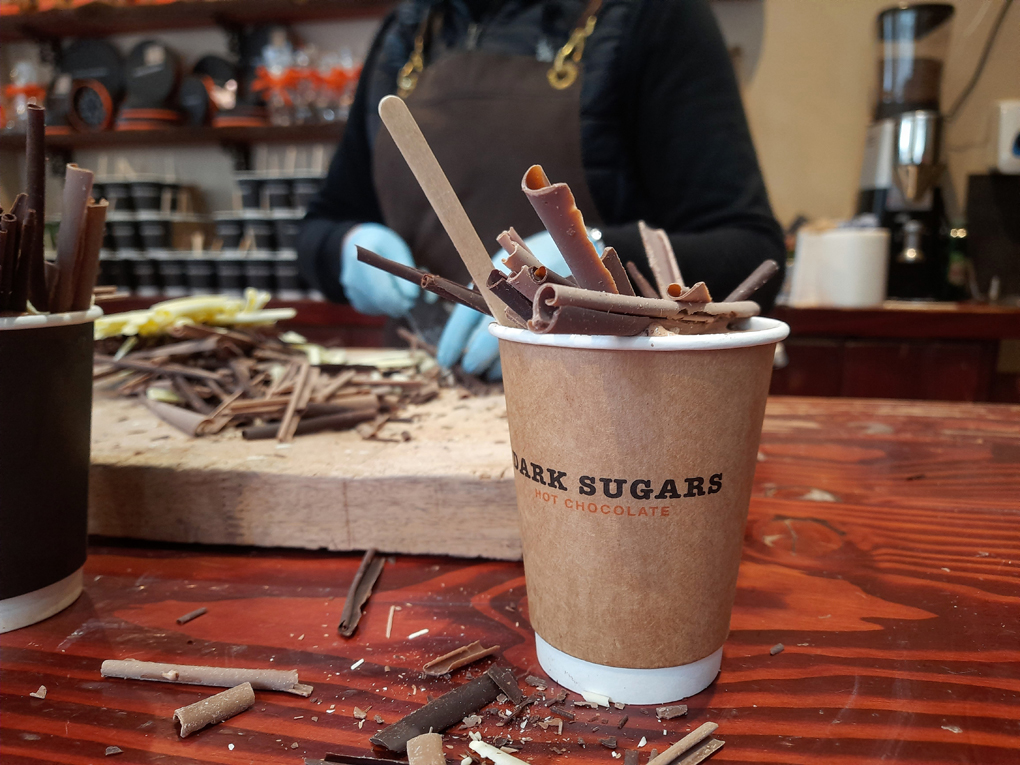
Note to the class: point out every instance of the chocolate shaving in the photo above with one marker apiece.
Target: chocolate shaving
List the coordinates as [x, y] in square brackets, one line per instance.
[426, 749]
[192, 615]
[339, 421]
[687, 742]
[644, 287]
[516, 711]
[558, 211]
[214, 709]
[670, 712]
[112, 750]
[507, 683]
[457, 658]
[609, 742]
[516, 301]
[361, 588]
[661, 257]
[536, 682]
[562, 712]
[697, 294]
[702, 752]
[623, 721]
[184, 420]
[444, 712]
[759, 278]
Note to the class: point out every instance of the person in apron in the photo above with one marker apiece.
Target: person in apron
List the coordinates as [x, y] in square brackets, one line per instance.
[632, 103]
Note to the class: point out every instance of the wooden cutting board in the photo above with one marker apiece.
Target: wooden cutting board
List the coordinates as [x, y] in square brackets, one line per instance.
[447, 490]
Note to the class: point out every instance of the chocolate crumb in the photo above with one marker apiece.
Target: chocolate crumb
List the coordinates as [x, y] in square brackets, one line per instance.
[560, 697]
[618, 705]
[536, 682]
[501, 741]
[623, 721]
[379, 720]
[580, 741]
[501, 699]
[609, 742]
[668, 713]
[777, 648]
[562, 712]
[112, 750]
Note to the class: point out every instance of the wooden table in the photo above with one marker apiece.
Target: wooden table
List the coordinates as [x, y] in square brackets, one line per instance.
[882, 549]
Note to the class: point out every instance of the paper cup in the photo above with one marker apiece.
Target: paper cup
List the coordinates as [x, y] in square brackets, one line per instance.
[634, 459]
[45, 418]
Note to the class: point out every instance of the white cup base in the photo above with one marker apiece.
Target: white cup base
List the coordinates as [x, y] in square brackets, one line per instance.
[625, 685]
[23, 610]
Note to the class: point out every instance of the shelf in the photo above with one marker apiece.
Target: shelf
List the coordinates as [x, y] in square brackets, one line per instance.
[184, 136]
[98, 19]
[903, 320]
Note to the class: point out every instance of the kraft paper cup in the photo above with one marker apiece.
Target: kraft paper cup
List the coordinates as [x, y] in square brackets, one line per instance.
[45, 420]
[634, 458]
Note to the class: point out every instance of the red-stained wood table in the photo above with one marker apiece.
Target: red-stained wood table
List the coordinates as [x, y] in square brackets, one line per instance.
[882, 549]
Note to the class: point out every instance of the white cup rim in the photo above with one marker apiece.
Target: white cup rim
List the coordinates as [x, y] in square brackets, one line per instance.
[757, 330]
[38, 320]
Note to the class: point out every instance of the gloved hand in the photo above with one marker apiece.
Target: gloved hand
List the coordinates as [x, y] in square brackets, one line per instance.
[370, 290]
[466, 335]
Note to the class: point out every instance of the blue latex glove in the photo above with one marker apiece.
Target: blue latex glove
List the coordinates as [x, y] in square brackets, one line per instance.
[370, 290]
[466, 335]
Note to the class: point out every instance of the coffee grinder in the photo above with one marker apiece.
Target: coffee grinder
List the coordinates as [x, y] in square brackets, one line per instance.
[902, 157]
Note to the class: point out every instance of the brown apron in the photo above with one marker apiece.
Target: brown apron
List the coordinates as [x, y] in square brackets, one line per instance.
[488, 118]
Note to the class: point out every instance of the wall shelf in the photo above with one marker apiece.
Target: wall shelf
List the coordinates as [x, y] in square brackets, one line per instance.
[98, 19]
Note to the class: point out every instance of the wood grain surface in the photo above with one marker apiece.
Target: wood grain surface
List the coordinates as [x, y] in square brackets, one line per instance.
[882, 550]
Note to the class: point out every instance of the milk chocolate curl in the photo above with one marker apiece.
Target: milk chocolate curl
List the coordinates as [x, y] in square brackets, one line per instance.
[223, 677]
[214, 709]
[338, 421]
[644, 287]
[611, 260]
[555, 295]
[35, 156]
[759, 278]
[661, 257]
[515, 301]
[555, 205]
[185, 420]
[518, 254]
[457, 658]
[426, 749]
[360, 591]
[697, 294]
[88, 260]
[570, 320]
[77, 187]
[445, 288]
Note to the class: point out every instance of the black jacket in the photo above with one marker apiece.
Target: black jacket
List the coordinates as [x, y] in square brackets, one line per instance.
[663, 133]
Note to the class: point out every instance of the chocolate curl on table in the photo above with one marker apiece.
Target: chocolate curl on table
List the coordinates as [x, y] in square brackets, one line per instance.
[88, 259]
[184, 420]
[446, 289]
[759, 278]
[515, 301]
[338, 421]
[222, 677]
[77, 187]
[457, 658]
[426, 749]
[214, 709]
[361, 589]
[555, 205]
[661, 257]
[35, 156]
[449, 709]
[611, 260]
[644, 287]
[23, 273]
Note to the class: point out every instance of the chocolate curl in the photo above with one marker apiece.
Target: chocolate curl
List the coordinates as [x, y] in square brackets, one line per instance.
[77, 187]
[88, 260]
[644, 287]
[340, 421]
[759, 278]
[426, 749]
[697, 294]
[8, 257]
[35, 156]
[661, 257]
[514, 319]
[518, 254]
[446, 289]
[556, 296]
[214, 709]
[611, 260]
[555, 205]
[515, 301]
[19, 288]
[549, 319]
[184, 420]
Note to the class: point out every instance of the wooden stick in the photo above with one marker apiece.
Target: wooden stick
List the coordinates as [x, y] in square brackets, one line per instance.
[433, 181]
[87, 267]
[214, 709]
[35, 156]
[223, 677]
[694, 737]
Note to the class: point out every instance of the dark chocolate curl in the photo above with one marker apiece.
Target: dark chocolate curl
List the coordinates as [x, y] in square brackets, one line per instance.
[35, 156]
[77, 188]
[88, 260]
[515, 301]
[22, 275]
[558, 211]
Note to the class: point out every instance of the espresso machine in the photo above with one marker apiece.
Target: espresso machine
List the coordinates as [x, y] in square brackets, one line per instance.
[902, 158]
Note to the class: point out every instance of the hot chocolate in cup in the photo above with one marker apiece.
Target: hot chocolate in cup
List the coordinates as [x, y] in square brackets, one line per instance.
[634, 459]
